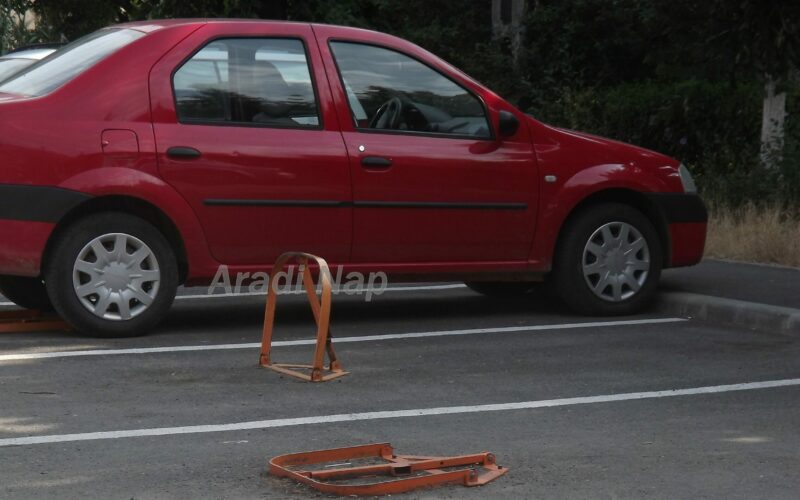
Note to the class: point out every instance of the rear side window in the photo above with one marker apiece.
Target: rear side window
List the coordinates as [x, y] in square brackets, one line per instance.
[10, 66]
[69, 61]
[247, 81]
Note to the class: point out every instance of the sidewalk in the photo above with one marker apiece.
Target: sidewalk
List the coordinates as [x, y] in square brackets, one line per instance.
[749, 296]
[749, 282]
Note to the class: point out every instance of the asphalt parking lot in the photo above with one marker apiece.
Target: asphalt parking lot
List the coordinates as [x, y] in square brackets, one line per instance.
[576, 407]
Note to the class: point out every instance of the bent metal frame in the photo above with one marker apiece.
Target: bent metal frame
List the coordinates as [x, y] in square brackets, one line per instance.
[381, 471]
[321, 307]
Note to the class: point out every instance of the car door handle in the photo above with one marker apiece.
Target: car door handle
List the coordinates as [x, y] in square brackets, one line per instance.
[183, 153]
[376, 162]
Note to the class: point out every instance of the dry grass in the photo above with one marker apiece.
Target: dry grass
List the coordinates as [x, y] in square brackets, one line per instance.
[767, 235]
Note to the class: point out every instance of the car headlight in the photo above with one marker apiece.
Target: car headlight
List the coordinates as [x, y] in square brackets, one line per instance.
[686, 179]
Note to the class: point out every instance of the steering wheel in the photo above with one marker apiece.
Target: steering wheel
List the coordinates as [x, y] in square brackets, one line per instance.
[389, 115]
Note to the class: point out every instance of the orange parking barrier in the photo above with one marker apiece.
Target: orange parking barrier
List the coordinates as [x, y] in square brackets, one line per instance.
[25, 320]
[364, 466]
[321, 307]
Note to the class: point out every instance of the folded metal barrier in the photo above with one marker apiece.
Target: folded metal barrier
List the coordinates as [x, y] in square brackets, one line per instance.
[321, 307]
[374, 469]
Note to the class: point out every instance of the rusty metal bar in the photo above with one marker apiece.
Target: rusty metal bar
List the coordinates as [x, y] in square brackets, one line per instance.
[400, 466]
[320, 306]
[401, 473]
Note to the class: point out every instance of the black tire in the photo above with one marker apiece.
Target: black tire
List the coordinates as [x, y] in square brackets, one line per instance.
[502, 289]
[59, 275]
[29, 293]
[568, 275]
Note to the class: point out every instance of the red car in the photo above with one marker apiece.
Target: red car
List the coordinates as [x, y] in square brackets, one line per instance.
[146, 155]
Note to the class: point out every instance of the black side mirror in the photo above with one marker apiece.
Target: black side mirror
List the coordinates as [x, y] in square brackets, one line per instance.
[508, 124]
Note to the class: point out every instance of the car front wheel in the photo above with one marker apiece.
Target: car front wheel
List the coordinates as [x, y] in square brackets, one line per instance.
[609, 261]
[112, 275]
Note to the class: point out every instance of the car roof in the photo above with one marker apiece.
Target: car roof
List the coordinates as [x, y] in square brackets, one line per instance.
[155, 24]
[164, 23]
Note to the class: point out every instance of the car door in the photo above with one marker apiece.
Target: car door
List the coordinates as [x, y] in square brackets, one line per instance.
[432, 183]
[246, 132]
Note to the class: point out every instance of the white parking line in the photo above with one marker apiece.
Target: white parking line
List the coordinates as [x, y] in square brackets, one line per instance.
[338, 340]
[376, 415]
[299, 292]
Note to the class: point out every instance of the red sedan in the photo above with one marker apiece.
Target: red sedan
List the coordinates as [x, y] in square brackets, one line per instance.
[147, 155]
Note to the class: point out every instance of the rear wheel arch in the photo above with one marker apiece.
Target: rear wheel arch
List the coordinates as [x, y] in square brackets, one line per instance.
[132, 206]
[634, 199]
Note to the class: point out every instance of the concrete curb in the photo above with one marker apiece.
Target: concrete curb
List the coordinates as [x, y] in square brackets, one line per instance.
[752, 315]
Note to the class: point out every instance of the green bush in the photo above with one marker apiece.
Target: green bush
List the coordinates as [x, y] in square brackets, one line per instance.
[14, 32]
[714, 128]
[643, 72]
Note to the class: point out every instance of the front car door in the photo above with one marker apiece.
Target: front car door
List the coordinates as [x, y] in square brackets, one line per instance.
[246, 132]
[432, 182]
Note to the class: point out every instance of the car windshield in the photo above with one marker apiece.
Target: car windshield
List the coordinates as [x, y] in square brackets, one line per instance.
[10, 66]
[66, 63]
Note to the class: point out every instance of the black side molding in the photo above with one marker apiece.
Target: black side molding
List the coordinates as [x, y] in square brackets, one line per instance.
[680, 207]
[444, 205]
[37, 203]
[276, 203]
[364, 204]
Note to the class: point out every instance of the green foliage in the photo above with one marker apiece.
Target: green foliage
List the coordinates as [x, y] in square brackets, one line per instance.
[731, 38]
[683, 77]
[71, 19]
[713, 127]
[678, 118]
[14, 29]
[681, 119]
[589, 42]
[453, 29]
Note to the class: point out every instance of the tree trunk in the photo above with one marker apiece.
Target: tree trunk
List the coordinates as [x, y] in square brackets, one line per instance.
[772, 120]
[508, 24]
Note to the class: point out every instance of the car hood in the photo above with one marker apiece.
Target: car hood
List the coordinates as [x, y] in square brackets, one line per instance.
[571, 152]
[615, 145]
[602, 145]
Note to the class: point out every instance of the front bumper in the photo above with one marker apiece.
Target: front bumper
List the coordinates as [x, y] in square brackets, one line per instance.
[687, 220]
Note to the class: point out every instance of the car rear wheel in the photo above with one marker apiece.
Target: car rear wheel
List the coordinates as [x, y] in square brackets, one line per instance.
[112, 275]
[29, 293]
[608, 261]
[503, 288]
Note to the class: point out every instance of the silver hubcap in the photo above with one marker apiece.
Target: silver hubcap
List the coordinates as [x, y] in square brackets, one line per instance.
[116, 277]
[616, 261]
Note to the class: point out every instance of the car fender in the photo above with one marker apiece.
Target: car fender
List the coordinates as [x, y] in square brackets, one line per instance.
[119, 181]
[559, 199]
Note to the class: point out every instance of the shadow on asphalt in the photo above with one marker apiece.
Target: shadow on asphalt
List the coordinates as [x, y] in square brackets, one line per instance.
[294, 310]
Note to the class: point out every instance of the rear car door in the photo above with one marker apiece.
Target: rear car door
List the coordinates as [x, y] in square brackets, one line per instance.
[246, 132]
[432, 182]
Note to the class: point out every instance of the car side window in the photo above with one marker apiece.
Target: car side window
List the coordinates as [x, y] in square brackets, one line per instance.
[247, 81]
[388, 90]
